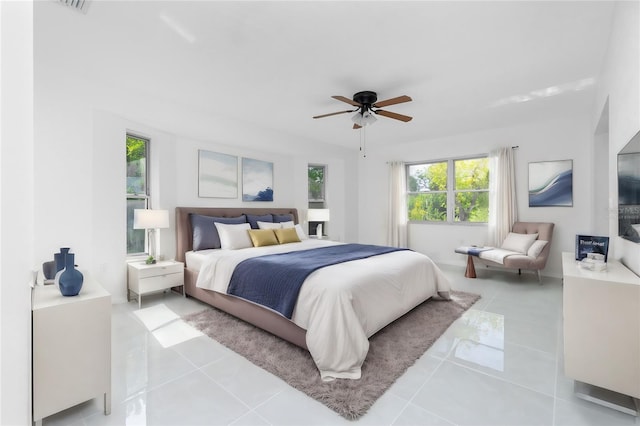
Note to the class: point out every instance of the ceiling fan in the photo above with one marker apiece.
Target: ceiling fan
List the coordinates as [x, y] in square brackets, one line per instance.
[366, 103]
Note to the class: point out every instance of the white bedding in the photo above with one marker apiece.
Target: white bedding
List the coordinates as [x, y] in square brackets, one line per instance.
[195, 259]
[342, 305]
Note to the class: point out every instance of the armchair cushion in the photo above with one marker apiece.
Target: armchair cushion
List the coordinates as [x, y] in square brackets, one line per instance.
[519, 243]
[536, 248]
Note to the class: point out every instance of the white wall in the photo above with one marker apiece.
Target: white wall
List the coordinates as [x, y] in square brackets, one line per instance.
[16, 215]
[620, 86]
[562, 139]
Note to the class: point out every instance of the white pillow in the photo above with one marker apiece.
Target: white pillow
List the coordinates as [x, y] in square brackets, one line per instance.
[288, 224]
[536, 248]
[519, 243]
[269, 225]
[233, 237]
[300, 232]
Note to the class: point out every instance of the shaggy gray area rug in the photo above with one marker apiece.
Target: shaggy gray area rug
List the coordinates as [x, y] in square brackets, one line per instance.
[391, 351]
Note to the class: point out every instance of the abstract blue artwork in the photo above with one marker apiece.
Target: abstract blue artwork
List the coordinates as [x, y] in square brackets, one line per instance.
[217, 175]
[551, 183]
[257, 180]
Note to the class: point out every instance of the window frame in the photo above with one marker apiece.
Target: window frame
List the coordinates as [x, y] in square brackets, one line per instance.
[451, 191]
[319, 203]
[145, 196]
[324, 183]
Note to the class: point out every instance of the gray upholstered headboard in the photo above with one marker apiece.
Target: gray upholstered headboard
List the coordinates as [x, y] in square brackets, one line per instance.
[184, 233]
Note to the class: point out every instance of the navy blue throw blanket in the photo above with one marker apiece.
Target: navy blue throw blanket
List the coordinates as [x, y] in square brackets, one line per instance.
[275, 280]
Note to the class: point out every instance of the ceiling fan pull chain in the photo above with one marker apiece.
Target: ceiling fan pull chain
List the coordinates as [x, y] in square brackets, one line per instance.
[364, 129]
[363, 141]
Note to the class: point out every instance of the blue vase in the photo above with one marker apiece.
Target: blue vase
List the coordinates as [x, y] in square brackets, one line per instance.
[70, 280]
[59, 258]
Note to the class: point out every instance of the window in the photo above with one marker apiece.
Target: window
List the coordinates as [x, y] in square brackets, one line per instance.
[137, 190]
[455, 190]
[316, 174]
[316, 183]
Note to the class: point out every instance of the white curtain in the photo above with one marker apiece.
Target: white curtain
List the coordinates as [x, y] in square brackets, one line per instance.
[397, 215]
[503, 211]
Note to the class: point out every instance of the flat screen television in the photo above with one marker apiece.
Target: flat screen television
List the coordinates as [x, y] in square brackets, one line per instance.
[629, 190]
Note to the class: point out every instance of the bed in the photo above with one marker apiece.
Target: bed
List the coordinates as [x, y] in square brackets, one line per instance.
[338, 307]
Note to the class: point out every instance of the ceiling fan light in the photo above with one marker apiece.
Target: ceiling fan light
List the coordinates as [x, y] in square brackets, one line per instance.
[363, 119]
[368, 118]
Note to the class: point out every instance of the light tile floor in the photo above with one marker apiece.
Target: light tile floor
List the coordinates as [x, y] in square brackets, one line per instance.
[499, 364]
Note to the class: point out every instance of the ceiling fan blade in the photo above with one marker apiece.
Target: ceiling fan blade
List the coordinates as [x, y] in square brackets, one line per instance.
[334, 113]
[393, 115]
[356, 126]
[347, 100]
[393, 101]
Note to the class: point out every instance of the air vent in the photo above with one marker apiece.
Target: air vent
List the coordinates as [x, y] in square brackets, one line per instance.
[80, 5]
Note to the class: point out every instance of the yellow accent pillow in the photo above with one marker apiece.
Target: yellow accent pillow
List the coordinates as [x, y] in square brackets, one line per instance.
[262, 237]
[287, 235]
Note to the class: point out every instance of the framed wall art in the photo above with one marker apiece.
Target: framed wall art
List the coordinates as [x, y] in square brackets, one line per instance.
[551, 184]
[257, 180]
[217, 175]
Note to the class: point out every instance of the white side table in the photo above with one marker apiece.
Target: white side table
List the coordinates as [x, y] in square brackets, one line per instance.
[71, 348]
[145, 279]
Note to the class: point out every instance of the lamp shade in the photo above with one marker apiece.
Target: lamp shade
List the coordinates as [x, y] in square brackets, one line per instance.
[318, 215]
[150, 219]
[364, 119]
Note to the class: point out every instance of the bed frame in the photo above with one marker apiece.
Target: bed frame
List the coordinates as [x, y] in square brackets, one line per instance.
[252, 313]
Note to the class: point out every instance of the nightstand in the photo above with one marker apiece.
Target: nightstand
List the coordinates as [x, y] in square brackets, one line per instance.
[145, 279]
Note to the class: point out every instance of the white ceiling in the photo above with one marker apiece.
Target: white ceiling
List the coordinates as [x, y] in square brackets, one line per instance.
[467, 65]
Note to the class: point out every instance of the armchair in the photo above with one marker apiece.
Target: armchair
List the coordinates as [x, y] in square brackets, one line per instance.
[523, 261]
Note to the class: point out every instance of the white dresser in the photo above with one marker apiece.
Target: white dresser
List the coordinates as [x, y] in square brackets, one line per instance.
[144, 279]
[602, 329]
[71, 345]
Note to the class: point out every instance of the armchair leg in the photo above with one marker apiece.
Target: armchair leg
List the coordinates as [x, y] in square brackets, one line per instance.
[519, 271]
[539, 277]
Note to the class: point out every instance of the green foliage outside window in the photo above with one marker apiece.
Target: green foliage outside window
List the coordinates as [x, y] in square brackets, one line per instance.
[136, 165]
[429, 192]
[137, 190]
[316, 183]
[428, 207]
[471, 190]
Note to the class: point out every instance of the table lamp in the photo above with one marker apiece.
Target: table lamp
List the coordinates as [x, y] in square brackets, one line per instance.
[151, 220]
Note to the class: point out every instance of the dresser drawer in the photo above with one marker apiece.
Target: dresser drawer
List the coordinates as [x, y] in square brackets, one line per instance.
[161, 282]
